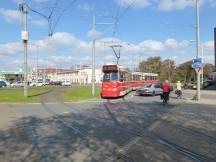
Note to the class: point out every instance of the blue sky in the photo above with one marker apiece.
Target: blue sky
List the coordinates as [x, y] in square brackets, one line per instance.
[150, 27]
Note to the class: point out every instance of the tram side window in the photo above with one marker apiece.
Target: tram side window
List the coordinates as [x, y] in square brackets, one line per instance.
[144, 77]
[127, 76]
[121, 77]
[136, 77]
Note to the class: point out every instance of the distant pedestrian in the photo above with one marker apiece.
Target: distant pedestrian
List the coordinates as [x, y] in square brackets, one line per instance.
[178, 91]
[179, 85]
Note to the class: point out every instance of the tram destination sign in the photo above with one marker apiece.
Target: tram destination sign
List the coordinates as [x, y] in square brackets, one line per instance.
[110, 68]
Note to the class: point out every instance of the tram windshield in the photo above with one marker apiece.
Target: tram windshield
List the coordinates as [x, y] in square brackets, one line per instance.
[110, 77]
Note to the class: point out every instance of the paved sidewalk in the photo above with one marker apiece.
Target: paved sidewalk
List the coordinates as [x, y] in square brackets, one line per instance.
[203, 92]
[8, 116]
[203, 101]
[208, 97]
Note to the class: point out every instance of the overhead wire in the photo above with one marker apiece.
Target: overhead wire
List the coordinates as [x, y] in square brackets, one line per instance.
[33, 10]
[120, 15]
[49, 18]
[65, 9]
[115, 24]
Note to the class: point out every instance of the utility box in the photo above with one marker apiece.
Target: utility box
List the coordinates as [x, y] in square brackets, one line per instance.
[24, 35]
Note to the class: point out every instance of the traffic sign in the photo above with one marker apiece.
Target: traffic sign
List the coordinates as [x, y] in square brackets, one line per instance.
[197, 63]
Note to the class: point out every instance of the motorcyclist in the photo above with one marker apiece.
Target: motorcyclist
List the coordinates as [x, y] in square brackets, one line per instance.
[166, 89]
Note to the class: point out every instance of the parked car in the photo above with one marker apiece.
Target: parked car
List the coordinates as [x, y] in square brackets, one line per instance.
[150, 89]
[17, 84]
[67, 83]
[56, 83]
[37, 84]
[2, 84]
[207, 83]
[191, 85]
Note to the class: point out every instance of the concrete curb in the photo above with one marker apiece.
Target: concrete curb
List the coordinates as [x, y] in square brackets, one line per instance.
[38, 103]
[205, 93]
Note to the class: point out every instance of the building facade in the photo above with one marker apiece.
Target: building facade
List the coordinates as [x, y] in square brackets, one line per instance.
[82, 76]
[11, 76]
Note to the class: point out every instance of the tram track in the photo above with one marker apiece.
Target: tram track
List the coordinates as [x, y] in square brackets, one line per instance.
[33, 136]
[174, 147]
[138, 131]
[121, 156]
[192, 131]
[29, 127]
[82, 132]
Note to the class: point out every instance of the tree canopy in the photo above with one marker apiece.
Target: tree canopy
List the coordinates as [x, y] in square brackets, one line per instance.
[168, 70]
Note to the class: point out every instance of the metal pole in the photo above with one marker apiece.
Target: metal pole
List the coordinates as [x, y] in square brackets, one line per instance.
[215, 48]
[198, 46]
[37, 65]
[24, 36]
[93, 54]
[202, 80]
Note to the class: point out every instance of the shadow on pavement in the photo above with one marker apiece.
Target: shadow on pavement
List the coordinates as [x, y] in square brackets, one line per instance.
[105, 129]
[39, 94]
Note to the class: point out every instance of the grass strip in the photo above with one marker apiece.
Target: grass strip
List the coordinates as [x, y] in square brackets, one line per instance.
[80, 93]
[17, 96]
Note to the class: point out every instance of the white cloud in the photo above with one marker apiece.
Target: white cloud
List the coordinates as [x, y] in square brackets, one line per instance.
[137, 3]
[172, 43]
[209, 45]
[86, 7]
[8, 49]
[212, 3]
[49, 44]
[39, 22]
[67, 41]
[10, 15]
[18, 1]
[14, 16]
[208, 52]
[41, 1]
[169, 5]
[56, 42]
[94, 34]
[166, 5]
[65, 49]
[151, 45]
[61, 59]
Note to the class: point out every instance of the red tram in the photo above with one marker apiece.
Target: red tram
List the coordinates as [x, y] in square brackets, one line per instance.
[118, 81]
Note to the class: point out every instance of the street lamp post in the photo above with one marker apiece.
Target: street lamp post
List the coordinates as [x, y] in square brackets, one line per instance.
[93, 54]
[24, 37]
[202, 77]
[198, 45]
[94, 37]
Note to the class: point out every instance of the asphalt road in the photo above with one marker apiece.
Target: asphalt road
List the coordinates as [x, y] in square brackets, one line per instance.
[134, 129]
